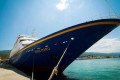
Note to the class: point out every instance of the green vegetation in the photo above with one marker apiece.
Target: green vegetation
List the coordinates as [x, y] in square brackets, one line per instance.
[3, 57]
[4, 54]
[96, 57]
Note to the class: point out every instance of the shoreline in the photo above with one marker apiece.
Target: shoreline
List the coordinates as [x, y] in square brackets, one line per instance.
[96, 57]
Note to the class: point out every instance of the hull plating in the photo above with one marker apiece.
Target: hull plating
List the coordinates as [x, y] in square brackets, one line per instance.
[48, 50]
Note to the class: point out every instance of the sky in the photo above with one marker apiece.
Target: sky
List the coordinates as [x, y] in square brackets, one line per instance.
[20, 17]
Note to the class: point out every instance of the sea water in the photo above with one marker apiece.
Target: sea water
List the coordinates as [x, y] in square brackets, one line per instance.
[94, 69]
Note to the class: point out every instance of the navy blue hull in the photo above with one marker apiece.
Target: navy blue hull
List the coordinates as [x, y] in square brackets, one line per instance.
[48, 50]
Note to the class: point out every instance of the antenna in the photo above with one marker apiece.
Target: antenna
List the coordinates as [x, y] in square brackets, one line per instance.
[116, 16]
[33, 33]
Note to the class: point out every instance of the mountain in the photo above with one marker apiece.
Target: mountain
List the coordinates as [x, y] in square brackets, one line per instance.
[100, 54]
[5, 52]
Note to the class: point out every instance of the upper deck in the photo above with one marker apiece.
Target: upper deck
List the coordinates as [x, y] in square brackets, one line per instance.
[21, 42]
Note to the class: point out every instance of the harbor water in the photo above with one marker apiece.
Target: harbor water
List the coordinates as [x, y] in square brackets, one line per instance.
[94, 69]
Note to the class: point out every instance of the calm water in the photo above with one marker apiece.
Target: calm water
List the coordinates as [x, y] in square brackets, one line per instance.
[96, 69]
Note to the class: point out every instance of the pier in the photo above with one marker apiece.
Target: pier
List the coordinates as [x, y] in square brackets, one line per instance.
[8, 72]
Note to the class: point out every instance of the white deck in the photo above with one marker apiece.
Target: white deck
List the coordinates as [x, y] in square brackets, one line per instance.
[21, 42]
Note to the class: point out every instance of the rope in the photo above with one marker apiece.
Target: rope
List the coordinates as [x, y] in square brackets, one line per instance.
[116, 16]
[55, 70]
[33, 66]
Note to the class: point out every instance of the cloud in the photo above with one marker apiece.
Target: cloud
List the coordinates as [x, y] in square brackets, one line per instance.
[62, 5]
[106, 46]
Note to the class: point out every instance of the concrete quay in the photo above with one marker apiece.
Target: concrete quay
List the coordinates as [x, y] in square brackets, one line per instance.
[8, 72]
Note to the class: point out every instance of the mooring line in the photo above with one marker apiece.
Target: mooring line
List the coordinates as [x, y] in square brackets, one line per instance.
[55, 70]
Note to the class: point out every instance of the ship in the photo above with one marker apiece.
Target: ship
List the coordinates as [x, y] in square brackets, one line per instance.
[44, 54]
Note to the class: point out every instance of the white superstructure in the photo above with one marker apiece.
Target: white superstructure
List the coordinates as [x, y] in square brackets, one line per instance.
[21, 42]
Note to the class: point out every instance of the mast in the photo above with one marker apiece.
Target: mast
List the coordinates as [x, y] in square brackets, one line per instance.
[116, 16]
[33, 33]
